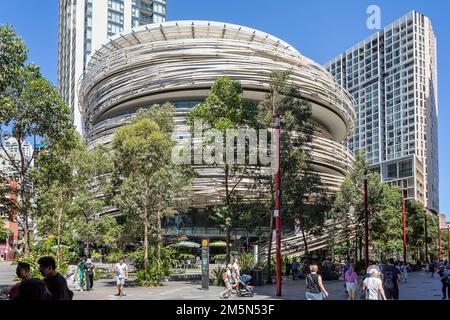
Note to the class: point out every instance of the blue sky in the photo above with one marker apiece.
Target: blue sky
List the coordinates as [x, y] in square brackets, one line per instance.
[319, 29]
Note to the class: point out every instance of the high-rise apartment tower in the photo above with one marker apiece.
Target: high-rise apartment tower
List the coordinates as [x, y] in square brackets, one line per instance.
[392, 76]
[84, 25]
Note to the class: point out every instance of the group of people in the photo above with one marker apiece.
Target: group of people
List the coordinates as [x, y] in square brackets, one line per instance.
[85, 274]
[296, 267]
[232, 278]
[381, 282]
[53, 287]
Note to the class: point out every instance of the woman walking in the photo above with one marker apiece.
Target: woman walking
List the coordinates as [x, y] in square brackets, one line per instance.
[81, 273]
[314, 284]
[351, 282]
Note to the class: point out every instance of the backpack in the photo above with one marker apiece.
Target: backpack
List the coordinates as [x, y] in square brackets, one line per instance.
[388, 280]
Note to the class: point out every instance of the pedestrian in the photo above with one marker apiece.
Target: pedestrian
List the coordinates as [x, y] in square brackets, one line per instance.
[55, 282]
[227, 278]
[301, 267]
[314, 285]
[90, 273]
[373, 287]
[23, 273]
[344, 270]
[295, 266]
[121, 270]
[404, 271]
[432, 268]
[288, 267]
[236, 269]
[81, 273]
[444, 274]
[391, 276]
[351, 282]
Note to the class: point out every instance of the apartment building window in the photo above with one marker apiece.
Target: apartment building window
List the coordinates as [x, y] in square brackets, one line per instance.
[115, 17]
[116, 5]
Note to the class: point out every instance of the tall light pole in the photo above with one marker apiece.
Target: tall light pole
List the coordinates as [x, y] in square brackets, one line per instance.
[426, 238]
[366, 224]
[404, 225]
[276, 212]
[439, 241]
[448, 243]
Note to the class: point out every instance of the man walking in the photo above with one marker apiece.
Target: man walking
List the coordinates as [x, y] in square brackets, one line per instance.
[391, 276]
[56, 283]
[121, 270]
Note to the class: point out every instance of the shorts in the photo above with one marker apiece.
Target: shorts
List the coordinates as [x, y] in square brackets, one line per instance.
[351, 286]
[313, 296]
[120, 281]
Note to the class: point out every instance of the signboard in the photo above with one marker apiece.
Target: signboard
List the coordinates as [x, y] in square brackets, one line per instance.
[205, 264]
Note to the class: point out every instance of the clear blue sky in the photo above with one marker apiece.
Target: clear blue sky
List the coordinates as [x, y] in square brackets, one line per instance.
[319, 29]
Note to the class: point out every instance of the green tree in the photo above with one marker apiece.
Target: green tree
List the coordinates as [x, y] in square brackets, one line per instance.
[145, 183]
[349, 203]
[55, 180]
[30, 109]
[300, 184]
[225, 109]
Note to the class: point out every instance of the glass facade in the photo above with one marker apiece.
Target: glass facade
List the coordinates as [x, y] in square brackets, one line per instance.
[392, 76]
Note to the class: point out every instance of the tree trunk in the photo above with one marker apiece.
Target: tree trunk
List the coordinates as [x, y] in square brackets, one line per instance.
[145, 243]
[58, 248]
[303, 233]
[87, 250]
[159, 234]
[26, 244]
[227, 201]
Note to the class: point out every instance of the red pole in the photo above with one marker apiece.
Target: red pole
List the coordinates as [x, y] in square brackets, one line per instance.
[366, 225]
[404, 226]
[276, 212]
[439, 241]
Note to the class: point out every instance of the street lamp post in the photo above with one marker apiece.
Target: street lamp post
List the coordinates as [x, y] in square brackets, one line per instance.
[426, 238]
[404, 225]
[276, 212]
[439, 241]
[366, 224]
[448, 244]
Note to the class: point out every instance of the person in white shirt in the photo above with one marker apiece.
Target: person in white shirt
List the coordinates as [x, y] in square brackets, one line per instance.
[121, 270]
[373, 286]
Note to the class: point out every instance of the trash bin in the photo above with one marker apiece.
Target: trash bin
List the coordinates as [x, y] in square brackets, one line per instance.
[257, 277]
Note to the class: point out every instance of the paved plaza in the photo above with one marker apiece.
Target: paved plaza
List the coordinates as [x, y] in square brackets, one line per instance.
[420, 286]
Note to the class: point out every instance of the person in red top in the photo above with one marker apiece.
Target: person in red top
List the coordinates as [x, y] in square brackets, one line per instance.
[22, 272]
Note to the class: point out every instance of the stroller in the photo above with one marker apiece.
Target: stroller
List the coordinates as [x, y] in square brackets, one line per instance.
[243, 289]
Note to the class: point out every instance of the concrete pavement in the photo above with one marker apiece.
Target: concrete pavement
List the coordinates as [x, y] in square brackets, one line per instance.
[420, 286]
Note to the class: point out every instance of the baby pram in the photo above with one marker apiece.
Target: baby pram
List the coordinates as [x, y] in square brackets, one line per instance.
[243, 289]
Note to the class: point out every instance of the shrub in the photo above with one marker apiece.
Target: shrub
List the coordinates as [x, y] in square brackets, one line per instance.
[114, 256]
[157, 268]
[48, 248]
[217, 272]
[247, 262]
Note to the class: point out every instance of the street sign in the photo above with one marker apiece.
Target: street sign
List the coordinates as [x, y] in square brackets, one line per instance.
[205, 264]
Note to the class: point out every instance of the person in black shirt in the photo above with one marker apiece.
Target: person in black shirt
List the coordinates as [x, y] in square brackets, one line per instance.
[33, 289]
[56, 283]
[390, 277]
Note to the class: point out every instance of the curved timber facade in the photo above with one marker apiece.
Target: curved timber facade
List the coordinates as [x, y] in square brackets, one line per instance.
[178, 61]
